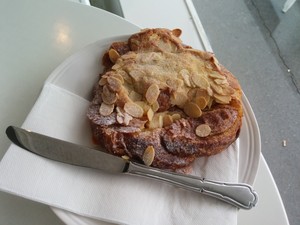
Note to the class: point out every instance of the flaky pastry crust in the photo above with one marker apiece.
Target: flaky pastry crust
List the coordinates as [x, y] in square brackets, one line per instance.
[163, 102]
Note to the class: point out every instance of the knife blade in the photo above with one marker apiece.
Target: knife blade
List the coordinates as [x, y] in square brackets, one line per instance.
[237, 194]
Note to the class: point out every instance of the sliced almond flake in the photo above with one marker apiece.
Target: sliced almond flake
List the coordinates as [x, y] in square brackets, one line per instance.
[192, 93]
[113, 55]
[197, 92]
[192, 110]
[125, 76]
[134, 96]
[155, 106]
[116, 66]
[167, 120]
[176, 116]
[203, 93]
[220, 81]
[114, 83]
[223, 99]
[210, 102]
[129, 55]
[200, 81]
[201, 102]
[120, 118]
[102, 81]
[123, 97]
[160, 121]
[201, 68]
[127, 119]
[216, 75]
[174, 83]
[133, 109]
[156, 122]
[149, 155]
[119, 77]
[209, 66]
[123, 117]
[106, 91]
[203, 130]
[209, 91]
[144, 105]
[105, 109]
[152, 93]
[110, 98]
[186, 77]
[228, 90]
[179, 98]
[208, 99]
[236, 95]
[150, 114]
[119, 110]
[217, 88]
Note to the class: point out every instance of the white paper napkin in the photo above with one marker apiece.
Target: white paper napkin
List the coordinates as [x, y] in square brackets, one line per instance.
[117, 198]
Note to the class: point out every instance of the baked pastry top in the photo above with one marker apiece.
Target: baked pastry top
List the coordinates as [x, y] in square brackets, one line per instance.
[163, 103]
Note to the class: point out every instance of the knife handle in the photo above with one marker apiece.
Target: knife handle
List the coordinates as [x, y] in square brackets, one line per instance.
[238, 194]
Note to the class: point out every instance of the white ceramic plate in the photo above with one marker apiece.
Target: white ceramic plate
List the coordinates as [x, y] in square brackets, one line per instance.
[77, 70]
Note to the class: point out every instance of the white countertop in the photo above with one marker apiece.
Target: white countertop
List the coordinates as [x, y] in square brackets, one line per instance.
[37, 36]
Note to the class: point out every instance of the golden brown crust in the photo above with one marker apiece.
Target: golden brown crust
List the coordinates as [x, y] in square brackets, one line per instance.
[179, 101]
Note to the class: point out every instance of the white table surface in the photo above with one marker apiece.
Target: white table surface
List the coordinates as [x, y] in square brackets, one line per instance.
[36, 36]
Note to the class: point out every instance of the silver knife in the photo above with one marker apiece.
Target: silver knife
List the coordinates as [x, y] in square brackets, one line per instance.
[239, 195]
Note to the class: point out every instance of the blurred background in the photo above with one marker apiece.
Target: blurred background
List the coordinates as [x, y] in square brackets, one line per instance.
[260, 44]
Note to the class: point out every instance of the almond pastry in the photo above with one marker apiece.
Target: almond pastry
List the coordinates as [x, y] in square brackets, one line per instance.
[163, 103]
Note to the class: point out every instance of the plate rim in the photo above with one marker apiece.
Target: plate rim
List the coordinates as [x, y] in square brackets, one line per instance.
[252, 136]
[254, 139]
